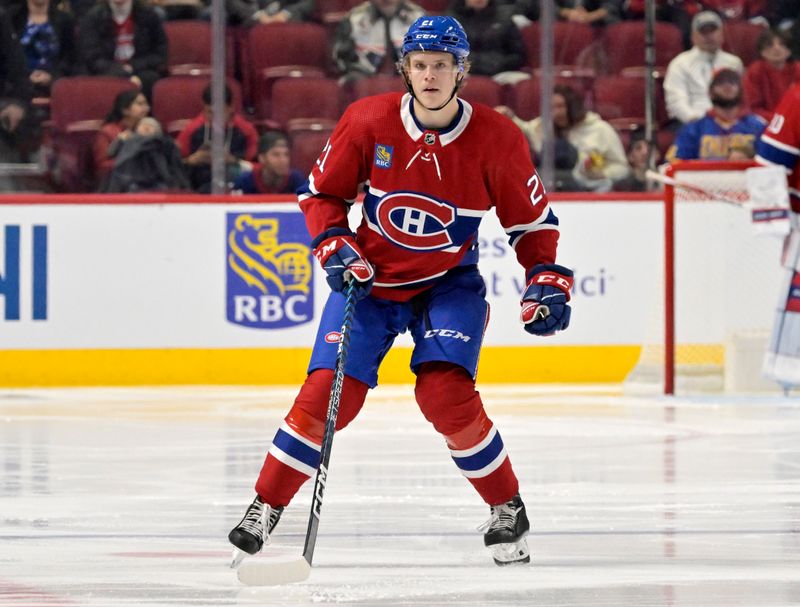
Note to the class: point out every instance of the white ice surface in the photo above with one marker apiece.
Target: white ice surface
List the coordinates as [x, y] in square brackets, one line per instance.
[125, 496]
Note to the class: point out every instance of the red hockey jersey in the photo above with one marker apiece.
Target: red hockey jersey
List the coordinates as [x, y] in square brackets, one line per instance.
[780, 142]
[426, 191]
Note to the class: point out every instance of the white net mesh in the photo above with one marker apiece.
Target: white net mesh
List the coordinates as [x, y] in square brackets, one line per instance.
[726, 282]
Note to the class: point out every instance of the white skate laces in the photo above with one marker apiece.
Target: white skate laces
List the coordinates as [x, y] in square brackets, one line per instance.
[255, 521]
[253, 531]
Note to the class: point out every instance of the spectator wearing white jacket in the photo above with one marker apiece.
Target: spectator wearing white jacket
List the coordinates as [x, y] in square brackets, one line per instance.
[589, 153]
[689, 74]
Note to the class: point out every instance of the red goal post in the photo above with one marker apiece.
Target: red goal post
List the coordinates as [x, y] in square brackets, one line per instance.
[720, 283]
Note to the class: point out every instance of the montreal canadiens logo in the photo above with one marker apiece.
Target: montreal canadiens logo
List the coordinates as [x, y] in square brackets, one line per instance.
[415, 221]
[334, 337]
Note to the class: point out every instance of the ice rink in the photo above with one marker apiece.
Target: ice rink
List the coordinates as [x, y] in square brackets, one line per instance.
[125, 497]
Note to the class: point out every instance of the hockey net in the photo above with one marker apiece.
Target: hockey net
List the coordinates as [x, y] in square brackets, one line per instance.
[714, 299]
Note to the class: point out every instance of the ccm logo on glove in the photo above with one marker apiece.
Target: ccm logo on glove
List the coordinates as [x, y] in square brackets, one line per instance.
[544, 302]
[342, 260]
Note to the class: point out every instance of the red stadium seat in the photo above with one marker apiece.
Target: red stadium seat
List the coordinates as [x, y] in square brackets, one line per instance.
[78, 107]
[331, 12]
[307, 145]
[619, 97]
[624, 45]
[741, 38]
[305, 99]
[178, 99]
[190, 51]
[482, 89]
[570, 40]
[525, 98]
[434, 7]
[622, 98]
[278, 50]
[376, 85]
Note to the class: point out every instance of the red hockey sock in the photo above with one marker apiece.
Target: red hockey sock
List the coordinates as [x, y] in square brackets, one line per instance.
[447, 397]
[294, 454]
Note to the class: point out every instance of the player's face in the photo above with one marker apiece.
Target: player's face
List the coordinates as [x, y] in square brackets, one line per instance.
[433, 76]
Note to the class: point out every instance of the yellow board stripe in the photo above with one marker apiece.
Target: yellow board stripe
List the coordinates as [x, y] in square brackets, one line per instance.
[548, 364]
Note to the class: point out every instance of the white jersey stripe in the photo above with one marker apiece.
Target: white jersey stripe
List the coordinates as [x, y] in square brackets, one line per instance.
[291, 461]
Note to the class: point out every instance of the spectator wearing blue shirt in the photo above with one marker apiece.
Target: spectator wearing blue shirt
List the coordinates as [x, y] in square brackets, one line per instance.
[272, 174]
[726, 126]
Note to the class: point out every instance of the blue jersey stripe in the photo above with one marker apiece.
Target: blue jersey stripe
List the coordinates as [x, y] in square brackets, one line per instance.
[550, 220]
[482, 458]
[295, 448]
[770, 153]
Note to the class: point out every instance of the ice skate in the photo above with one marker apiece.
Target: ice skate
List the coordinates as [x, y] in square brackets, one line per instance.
[506, 531]
[253, 531]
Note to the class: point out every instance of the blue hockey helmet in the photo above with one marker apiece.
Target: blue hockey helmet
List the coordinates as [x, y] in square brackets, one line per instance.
[442, 34]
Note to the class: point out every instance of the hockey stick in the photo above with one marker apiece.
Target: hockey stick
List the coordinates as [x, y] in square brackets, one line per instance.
[269, 572]
[676, 183]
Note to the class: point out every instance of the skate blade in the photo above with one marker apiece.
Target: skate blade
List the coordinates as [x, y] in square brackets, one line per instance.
[514, 553]
[237, 558]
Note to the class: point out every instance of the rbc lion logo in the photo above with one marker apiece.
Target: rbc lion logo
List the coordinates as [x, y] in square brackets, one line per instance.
[269, 270]
[383, 155]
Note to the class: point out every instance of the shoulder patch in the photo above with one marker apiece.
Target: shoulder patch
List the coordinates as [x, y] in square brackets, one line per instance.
[383, 155]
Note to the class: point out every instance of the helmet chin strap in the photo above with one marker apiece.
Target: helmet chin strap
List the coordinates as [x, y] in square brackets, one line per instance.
[432, 109]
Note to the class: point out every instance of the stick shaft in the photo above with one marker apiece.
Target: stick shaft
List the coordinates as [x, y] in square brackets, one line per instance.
[330, 425]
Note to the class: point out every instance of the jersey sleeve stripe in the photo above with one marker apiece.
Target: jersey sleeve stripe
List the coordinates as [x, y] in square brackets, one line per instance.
[780, 145]
[766, 161]
[547, 221]
[772, 155]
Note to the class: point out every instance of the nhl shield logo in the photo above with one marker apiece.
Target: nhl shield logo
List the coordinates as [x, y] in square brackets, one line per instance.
[269, 272]
[430, 138]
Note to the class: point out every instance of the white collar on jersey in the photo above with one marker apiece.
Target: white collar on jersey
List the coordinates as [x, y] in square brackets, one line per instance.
[415, 132]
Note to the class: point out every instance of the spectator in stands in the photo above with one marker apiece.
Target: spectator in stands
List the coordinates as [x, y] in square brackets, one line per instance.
[591, 12]
[638, 154]
[124, 38]
[689, 74]
[742, 152]
[194, 142]
[129, 108]
[521, 12]
[367, 39]
[496, 47]
[251, 12]
[768, 78]
[146, 161]
[794, 40]
[173, 10]
[15, 95]
[272, 174]
[754, 11]
[47, 35]
[598, 158]
[724, 127]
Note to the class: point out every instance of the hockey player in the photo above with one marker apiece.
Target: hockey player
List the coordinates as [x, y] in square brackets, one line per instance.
[432, 166]
[780, 146]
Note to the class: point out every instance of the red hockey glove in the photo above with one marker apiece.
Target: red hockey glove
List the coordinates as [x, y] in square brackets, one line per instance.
[343, 261]
[544, 303]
